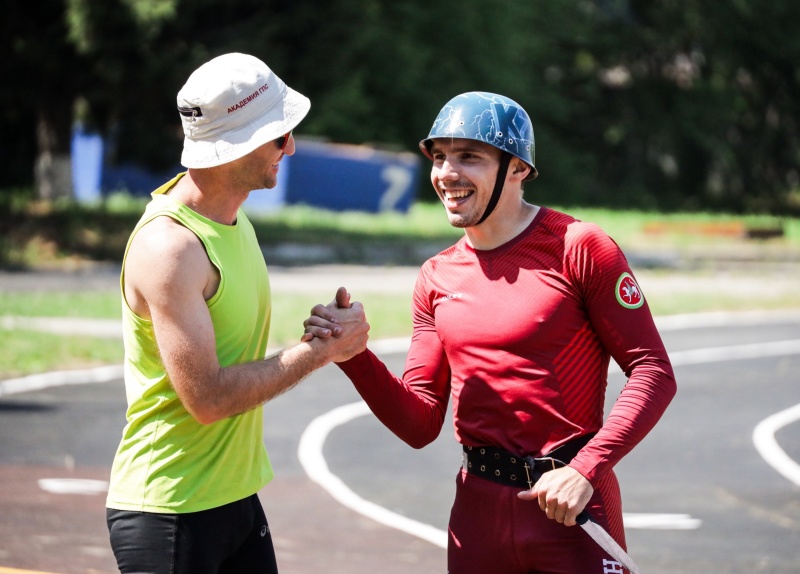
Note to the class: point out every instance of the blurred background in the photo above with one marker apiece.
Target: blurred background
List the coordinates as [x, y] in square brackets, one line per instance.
[657, 105]
[674, 125]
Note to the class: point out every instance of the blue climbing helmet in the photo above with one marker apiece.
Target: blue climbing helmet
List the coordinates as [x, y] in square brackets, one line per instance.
[490, 118]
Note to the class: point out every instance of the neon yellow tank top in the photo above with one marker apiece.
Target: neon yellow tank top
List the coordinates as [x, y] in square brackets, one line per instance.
[167, 462]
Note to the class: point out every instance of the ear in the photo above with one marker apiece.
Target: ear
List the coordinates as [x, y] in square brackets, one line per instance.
[519, 169]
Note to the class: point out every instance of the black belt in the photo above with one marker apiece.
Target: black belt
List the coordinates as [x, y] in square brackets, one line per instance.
[503, 467]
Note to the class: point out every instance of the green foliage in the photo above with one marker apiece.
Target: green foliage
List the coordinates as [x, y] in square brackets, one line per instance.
[36, 234]
[651, 105]
[41, 234]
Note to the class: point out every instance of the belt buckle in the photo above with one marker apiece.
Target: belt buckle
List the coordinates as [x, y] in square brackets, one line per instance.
[528, 474]
[530, 464]
[552, 462]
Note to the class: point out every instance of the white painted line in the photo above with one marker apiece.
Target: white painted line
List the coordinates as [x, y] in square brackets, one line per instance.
[647, 521]
[57, 378]
[4, 570]
[726, 318]
[313, 439]
[768, 448]
[73, 485]
[313, 462]
[396, 345]
[722, 354]
[735, 352]
[104, 328]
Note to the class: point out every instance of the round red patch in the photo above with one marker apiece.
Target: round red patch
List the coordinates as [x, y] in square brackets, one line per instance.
[628, 293]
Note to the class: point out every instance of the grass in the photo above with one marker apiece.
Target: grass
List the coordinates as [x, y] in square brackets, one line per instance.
[89, 305]
[63, 234]
[26, 352]
[388, 315]
[35, 234]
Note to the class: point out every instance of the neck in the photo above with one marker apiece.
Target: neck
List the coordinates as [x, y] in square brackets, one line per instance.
[209, 193]
[500, 228]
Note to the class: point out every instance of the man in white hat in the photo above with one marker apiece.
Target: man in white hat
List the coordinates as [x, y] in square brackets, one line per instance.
[196, 313]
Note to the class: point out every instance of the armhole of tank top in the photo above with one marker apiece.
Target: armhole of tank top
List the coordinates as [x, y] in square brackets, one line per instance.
[135, 316]
[209, 301]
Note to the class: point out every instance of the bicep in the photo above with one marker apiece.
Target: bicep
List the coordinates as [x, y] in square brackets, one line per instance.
[614, 303]
[168, 269]
[185, 338]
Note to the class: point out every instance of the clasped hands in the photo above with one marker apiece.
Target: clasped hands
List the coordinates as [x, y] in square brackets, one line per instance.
[341, 325]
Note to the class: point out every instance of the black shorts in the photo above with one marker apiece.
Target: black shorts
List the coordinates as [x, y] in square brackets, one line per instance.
[233, 538]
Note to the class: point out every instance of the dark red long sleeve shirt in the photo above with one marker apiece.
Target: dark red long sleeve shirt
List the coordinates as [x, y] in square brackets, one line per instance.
[521, 336]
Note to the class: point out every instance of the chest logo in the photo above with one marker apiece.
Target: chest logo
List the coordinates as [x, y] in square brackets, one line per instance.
[628, 293]
[448, 297]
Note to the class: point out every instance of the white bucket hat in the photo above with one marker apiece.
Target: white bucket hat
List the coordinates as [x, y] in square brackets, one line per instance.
[232, 105]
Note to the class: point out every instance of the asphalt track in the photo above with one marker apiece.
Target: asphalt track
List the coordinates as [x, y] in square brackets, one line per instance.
[713, 489]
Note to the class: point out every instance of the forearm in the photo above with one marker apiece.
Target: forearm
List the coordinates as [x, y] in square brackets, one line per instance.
[640, 405]
[240, 388]
[211, 392]
[413, 413]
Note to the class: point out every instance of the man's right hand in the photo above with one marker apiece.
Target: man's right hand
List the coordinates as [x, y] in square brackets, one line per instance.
[323, 321]
[341, 326]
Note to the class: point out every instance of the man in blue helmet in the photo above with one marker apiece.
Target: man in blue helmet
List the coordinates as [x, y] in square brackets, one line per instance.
[518, 322]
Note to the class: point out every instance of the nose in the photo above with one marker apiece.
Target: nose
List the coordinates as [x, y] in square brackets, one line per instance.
[445, 171]
[289, 149]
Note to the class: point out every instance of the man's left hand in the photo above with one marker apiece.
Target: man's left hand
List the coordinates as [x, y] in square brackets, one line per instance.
[562, 494]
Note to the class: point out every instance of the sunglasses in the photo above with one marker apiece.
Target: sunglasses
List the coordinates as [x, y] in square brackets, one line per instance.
[283, 141]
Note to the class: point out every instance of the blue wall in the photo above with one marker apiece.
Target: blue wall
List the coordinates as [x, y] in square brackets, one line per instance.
[346, 177]
[338, 177]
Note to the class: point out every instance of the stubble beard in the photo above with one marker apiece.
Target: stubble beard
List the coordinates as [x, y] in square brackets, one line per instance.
[462, 221]
[466, 220]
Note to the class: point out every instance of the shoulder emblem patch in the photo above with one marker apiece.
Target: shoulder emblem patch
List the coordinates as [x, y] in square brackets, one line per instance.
[628, 293]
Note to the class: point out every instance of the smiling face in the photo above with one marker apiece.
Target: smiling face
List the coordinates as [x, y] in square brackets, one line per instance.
[463, 174]
[261, 165]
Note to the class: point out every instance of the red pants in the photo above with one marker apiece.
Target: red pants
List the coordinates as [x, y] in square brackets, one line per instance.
[494, 532]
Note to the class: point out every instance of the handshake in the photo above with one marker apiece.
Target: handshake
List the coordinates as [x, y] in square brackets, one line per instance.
[339, 329]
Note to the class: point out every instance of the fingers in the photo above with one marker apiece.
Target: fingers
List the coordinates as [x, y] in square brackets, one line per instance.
[551, 505]
[527, 495]
[322, 324]
[329, 320]
[557, 509]
[561, 494]
[352, 341]
[312, 331]
[570, 516]
[320, 311]
[342, 298]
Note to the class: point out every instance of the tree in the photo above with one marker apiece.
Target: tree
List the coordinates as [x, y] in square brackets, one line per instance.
[42, 77]
[657, 104]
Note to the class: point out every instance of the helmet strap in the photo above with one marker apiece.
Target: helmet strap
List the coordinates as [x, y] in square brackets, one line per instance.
[499, 183]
